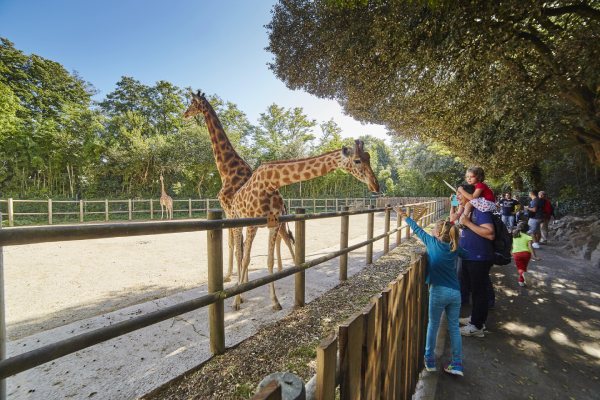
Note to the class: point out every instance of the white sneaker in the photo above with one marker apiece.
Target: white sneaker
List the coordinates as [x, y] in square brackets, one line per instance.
[471, 330]
[526, 278]
[535, 245]
[521, 284]
[467, 321]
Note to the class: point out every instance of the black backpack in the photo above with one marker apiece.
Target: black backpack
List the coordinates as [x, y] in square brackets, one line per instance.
[502, 242]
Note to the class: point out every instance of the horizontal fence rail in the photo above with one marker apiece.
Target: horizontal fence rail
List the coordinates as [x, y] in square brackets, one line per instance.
[30, 235]
[40, 212]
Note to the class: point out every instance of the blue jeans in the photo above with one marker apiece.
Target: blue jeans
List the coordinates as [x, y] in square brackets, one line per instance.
[509, 221]
[443, 298]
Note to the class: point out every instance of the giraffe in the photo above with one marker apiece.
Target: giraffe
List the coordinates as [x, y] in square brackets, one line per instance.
[234, 172]
[257, 197]
[165, 201]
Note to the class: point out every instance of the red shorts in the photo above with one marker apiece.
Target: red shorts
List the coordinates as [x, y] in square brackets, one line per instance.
[522, 259]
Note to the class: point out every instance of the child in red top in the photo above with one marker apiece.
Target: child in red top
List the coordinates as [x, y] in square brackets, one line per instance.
[483, 198]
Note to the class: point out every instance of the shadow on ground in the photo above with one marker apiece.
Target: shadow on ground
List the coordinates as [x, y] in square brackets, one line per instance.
[543, 340]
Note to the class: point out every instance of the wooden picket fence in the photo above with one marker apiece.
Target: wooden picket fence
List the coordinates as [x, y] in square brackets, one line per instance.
[379, 351]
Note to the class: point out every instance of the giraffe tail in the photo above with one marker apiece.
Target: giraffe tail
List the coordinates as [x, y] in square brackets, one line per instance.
[288, 232]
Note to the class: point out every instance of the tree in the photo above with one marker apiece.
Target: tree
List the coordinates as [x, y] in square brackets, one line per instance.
[498, 83]
[283, 134]
[49, 101]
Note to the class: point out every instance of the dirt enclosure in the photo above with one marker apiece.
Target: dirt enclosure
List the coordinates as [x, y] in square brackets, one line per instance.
[53, 284]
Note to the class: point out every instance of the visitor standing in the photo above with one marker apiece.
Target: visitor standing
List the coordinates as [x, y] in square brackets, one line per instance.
[547, 215]
[535, 214]
[476, 238]
[508, 207]
[444, 290]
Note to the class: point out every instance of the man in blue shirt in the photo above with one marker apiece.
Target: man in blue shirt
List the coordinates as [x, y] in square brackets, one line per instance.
[508, 205]
[476, 238]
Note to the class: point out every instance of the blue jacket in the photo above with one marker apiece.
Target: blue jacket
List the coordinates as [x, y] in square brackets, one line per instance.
[441, 262]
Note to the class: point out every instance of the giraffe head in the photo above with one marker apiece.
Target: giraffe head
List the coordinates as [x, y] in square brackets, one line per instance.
[197, 106]
[358, 162]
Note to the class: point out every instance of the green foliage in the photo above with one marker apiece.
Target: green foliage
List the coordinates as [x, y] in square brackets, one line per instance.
[498, 83]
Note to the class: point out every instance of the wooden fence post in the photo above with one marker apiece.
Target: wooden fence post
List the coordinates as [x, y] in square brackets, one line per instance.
[2, 318]
[129, 208]
[407, 235]
[11, 216]
[398, 232]
[370, 228]
[345, 222]
[300, 252]
[383, 326]
[271, 391]
[326, 365]
[190, 207]
[350, 342]
[49, 212]
[372, 345]
[314, 205]
[216, 311]
[151, 209]
[80, 210]
[386, 239]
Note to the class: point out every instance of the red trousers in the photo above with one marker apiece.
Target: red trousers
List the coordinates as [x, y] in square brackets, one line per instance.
[521, 261]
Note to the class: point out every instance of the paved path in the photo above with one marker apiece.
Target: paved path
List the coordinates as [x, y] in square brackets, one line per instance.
[543, 341]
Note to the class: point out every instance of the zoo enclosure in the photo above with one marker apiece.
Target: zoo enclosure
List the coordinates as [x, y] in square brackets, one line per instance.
[216, 293]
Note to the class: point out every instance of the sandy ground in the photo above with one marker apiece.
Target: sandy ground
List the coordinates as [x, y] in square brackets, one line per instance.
[56, 290]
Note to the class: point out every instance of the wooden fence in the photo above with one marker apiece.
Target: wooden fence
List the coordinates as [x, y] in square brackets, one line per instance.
[377, 353]
[216, 295]
[38, 212]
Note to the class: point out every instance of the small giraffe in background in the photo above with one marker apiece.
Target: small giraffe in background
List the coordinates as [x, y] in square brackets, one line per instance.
[259, 197]
[165, 201]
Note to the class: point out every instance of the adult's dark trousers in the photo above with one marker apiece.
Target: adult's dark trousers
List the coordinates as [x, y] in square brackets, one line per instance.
[465, 288]
[476, 275]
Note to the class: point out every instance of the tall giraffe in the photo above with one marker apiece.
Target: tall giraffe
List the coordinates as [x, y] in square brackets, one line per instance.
[257, 197]
[234, 172]
[165, 201]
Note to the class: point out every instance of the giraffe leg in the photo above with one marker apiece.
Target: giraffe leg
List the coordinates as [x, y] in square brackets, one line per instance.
[230, 260]
[243, 273]
[278, 248]
[270, 263]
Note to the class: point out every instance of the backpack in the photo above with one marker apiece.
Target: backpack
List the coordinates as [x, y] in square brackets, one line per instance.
[548, 210]
[502, 242]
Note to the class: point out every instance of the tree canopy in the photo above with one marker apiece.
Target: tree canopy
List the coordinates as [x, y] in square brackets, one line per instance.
[497, 82]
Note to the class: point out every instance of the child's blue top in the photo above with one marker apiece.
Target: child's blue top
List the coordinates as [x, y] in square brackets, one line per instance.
[441, 262]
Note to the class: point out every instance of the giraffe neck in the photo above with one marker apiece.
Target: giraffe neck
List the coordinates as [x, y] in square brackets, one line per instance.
[283, 173]
[228, 161]
[162, 188]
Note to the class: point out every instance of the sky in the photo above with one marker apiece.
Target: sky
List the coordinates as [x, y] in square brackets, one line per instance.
[217, 46]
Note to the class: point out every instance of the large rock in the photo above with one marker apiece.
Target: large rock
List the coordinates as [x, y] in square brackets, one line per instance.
[580, 236]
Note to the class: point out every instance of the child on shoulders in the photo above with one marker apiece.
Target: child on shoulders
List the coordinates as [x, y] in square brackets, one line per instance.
[483, 198]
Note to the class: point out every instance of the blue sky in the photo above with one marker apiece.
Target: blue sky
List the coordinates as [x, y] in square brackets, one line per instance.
[213, 45]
